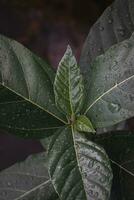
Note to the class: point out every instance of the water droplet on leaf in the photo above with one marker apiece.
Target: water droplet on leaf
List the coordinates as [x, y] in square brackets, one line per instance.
[101, 28]
[110, 21]
[114, 107]
[121, 31]
[91, 163]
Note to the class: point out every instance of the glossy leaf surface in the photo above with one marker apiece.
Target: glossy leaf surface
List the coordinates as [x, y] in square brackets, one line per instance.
[68, 86]
[79, 168]
[111, 88]
[83, 124]
[27, 180]
[26, 91]
[114, 25]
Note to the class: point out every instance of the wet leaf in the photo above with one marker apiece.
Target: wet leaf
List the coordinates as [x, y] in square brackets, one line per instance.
[111, 88]
[27, 104]
[27, 180]
[79, 169]
[68, 86]
[115, 25]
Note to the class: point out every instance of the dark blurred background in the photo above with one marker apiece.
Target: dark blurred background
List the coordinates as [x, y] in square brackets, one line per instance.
[45, 27]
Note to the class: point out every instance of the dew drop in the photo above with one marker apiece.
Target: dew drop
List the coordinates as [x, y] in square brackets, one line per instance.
[101, 28]
[114, 107]
[110, 21]
[85, 174]
[91, 163]
[103, 180]
[8, 183]
[121, 31]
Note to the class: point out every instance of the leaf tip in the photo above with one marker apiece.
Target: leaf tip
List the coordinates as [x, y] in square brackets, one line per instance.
[69, 50]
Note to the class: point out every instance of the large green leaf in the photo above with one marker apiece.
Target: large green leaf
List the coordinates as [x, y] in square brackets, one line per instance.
[27, 180]
[120, 148]
[26, 91]
[111, 89]
[115, 25]
[68, 86]
[79, 168]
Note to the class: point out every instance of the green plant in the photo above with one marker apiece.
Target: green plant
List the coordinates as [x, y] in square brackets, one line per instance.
[64, 110]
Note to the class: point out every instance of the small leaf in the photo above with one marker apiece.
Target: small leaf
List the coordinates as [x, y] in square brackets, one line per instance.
[111, 89]
[27, 180]
[79, 169]
[83, 124]
[68, 85]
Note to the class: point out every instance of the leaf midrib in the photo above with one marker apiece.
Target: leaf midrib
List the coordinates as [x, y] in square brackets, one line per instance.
[32, 129]
[33, 189]
[107, 92]
[33, 103]
[73, 136]
[70, 96]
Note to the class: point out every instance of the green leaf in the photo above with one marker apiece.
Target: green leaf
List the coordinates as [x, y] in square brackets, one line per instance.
[111, 89]
[68, 85]
[26, 92]
[83, 124]
[79, 169]
[127, 179]
[120, 140]
[114, 25]
[119, 146]
[27, 180]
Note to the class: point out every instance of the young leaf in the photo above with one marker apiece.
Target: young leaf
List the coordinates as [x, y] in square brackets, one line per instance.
[83, 124]
[26, 90]
[27, 180]
[68, 85]
[111, 89]
[79, 168]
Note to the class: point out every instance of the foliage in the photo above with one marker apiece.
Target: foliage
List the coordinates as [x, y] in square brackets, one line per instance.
[68, 107]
